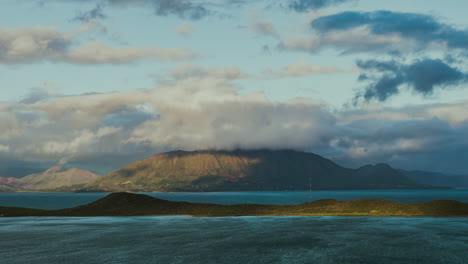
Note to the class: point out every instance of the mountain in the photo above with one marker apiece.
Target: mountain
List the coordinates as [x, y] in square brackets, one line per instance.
[6, 188]
[245, 170]
[129, 204]
[53, 178]
[437, 179]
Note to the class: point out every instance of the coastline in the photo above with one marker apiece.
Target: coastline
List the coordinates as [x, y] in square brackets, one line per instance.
[129, 204]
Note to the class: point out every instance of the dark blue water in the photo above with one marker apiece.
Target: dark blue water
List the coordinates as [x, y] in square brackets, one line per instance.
[64, 200]
[278, 239]
[179, 239]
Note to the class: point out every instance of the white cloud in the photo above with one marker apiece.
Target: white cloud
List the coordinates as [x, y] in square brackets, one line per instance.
[188, 71]
[97, 52]
[259, 27]
[355, 40]
[184, 29]
[303, 68]
[454, 113]
[39, 43]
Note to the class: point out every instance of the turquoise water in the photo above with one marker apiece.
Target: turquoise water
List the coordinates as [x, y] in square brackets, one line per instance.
[63, 200]
[278, 239]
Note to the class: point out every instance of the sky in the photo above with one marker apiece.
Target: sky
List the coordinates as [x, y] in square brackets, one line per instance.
[98, 84]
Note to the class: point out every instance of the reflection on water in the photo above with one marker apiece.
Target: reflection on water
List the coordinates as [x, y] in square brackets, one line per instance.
[179, 239]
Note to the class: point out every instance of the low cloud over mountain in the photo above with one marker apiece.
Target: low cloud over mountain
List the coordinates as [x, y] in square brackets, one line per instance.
[202, 108]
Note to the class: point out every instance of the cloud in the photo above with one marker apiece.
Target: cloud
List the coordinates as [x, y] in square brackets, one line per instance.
[379, 32]
[92, 14]
[26, 44]
[306, 5]
[36, 44]
[452, 112]
[412, 137]
[421, 76]
[394, 31]
[264, 28]
[195, 9]
[184, 29]
[357, 40]
[39, 93]
[259, 27]
[182, 8]
[201, 108]
[98, 53]
[303, 68]
[191, 71]
[185, 9]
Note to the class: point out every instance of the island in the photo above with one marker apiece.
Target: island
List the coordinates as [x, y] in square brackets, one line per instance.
[130, 204]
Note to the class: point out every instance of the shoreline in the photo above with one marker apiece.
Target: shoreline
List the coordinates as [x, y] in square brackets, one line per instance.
[130, 204]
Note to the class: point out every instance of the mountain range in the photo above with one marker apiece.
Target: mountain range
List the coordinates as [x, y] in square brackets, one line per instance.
[239, 170]
[437, 178]
[52, 179]
[246, 170]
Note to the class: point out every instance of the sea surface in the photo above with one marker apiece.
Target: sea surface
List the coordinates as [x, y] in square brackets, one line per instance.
[272, 239]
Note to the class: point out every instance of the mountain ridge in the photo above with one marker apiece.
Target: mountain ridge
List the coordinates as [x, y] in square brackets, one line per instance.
[50, 179]
[245, 170]
[437, 178]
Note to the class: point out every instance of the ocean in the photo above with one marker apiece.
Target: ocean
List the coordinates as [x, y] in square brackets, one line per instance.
[277, 239]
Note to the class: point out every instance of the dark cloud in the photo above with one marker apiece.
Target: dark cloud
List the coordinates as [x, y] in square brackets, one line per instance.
[36, 95]
[186, 9]
[95, 13]
[183, 8]
[428, 144]
[422, 76]
[194, 9]
[306, 5]
[424, 29]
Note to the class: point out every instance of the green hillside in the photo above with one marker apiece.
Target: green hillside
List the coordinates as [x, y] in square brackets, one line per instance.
[6, 188]
[244, 170]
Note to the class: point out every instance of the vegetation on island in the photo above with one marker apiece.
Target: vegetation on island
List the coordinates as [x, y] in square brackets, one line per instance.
[128, 204]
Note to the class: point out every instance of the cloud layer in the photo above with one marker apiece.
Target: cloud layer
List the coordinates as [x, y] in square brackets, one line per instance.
[195, 9]
[201, 108]
[303, 68]
[379, 32]
[306, 5]
[36, 44]
[420, 28]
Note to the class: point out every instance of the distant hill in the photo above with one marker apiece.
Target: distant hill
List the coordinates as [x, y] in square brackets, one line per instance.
[6, 188]
[437, 179]
[53, 178]
[128, 204]
[246, 170]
